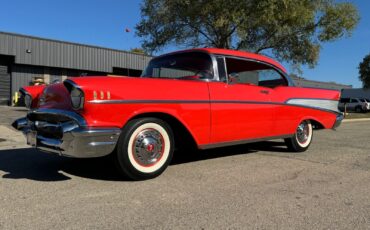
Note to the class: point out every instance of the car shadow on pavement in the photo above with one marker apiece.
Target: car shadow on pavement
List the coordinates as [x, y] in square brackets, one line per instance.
[182, 157]
[28, 163]
[31, 164]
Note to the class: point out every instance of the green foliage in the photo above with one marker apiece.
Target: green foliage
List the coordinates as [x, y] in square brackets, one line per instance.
[364, 71]
[291, 30]
[138, 51]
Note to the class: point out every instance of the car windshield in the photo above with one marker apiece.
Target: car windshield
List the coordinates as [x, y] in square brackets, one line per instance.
[192, 66]
[363, 100]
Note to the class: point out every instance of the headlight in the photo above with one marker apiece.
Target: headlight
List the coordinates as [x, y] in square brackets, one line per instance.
[28, 101]
[77, 98]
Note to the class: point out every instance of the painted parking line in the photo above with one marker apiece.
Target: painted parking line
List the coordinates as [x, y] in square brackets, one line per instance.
[356, 119]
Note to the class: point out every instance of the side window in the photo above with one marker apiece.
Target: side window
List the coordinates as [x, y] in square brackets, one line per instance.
[270, 78]
[191, 65]
[253, 73]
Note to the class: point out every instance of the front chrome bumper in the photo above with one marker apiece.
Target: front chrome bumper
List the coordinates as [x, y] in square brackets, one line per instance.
[338, 121]
[66, 133]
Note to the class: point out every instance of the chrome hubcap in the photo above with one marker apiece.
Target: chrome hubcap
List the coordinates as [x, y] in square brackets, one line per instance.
[303, 132]
[148, 147]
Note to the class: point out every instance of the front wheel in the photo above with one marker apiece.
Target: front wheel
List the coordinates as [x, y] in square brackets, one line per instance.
[145, 148]
[302, 138]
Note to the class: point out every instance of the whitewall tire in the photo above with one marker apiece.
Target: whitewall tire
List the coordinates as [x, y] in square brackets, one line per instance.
[302, 137]
[145, 148]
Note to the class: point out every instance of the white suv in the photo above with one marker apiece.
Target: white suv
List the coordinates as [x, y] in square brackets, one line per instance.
[354, 104]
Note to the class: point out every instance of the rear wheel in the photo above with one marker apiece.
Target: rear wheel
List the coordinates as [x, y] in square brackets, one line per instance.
[302, 138]
[145, 148]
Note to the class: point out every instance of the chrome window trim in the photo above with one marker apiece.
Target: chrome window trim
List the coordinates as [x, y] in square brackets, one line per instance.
[216, 76]
[213, 60]
[215, 69]
[288, 80]
[225, 68]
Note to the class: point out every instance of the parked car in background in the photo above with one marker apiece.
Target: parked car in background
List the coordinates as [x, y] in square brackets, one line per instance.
[31, 95]
[209, 97]
[354, 105]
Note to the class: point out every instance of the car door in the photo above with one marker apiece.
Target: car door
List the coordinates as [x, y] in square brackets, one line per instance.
[240, 109]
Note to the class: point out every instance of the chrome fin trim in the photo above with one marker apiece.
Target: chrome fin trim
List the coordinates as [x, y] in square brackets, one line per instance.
[324, 104]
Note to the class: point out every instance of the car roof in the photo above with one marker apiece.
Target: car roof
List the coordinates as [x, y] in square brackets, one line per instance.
[235, 53]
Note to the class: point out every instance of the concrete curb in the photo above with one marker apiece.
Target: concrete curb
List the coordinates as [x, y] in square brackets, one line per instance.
[356, 119]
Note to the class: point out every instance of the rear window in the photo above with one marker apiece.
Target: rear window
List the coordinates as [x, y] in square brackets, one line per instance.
[256, 73]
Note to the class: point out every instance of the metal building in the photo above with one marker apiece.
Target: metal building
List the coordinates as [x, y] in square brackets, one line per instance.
[24, 59]
[356, 93]
[302, 82]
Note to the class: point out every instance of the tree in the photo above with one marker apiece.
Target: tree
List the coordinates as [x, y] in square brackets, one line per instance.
[364, 71]
[290, 30]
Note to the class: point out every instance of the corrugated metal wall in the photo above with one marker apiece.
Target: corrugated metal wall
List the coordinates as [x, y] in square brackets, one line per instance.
[38, 57]
[55, 74]
[356, 93]
[4, 85]
[316, 84]
[3, 69]
[44, 52]
[23, 75]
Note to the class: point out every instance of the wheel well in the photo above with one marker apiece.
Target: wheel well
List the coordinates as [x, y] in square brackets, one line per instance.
[183, 138]
[316, 124]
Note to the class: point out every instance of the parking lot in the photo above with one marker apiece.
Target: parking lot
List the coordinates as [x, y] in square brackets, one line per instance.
[249, 186]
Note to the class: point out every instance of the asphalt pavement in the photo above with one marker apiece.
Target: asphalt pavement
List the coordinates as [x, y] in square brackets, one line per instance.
[254, 186]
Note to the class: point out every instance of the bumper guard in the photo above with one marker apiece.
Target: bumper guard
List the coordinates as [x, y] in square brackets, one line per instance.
[338, 121]
[66, 133]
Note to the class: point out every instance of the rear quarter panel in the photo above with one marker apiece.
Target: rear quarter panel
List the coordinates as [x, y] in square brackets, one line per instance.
[288, 116]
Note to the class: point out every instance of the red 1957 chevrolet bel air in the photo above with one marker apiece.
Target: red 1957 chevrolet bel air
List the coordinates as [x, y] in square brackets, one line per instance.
[211, 97]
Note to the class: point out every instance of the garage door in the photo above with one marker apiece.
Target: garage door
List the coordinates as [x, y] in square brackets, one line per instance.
[4, 86]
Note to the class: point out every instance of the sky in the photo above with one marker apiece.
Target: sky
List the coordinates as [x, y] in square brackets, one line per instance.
[103, 23]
